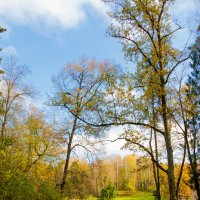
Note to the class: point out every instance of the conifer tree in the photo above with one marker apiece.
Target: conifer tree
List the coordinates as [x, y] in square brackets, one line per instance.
[193, 95]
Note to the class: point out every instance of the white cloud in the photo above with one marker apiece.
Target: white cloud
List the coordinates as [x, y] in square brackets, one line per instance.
[114, 148]
[48, 13]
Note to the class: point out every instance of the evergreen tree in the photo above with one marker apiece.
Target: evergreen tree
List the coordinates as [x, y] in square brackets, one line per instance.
[1, 31]
[193, 94]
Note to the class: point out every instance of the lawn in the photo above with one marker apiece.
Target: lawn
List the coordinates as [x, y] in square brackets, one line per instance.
[135, 196]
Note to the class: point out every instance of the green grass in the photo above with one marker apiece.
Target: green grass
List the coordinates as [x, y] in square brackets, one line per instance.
[135, 196]
[123, 195]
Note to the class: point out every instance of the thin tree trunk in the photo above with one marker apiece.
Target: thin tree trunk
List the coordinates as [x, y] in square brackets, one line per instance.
[3, 126]
[7, 108]
[195, 165]
[157, 168]
[155, 171]
[197, 185]
[181, 172]
[194, 170]
[156, 153]
[66, 167]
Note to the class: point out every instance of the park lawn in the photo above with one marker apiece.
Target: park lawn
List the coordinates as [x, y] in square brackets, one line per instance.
[136, 196]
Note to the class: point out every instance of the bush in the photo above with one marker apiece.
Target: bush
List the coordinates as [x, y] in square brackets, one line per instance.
[109, 192]
[47, 192]
[155, 193]
[91, 198]
[16, 186]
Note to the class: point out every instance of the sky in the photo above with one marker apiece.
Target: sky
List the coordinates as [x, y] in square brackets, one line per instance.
[45, 35]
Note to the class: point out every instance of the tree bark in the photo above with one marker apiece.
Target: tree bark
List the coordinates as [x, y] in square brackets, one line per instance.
[156, 154]
[193, 166]
[167, 137]
[66, 167]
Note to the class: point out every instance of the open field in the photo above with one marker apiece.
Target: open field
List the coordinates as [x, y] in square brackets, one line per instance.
[135, 196]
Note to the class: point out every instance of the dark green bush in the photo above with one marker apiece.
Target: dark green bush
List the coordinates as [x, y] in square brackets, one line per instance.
[108, 192]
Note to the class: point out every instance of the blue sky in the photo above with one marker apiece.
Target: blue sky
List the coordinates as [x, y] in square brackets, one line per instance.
[47, 34]
[46, 48]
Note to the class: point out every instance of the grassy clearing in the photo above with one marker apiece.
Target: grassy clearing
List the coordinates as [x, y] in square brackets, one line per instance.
[135, 196]
[123, 195]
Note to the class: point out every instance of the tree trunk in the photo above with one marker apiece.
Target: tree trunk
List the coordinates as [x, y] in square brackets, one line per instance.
[156, 153]
[170, 172]
[65, 173]
[193, 166]
[197, 185]
[181, 172]
[3, 126]
[65, 169]
[157, 169]
[167, 137]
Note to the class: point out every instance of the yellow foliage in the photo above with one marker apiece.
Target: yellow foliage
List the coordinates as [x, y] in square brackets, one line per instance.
[77, 68]
[79, 90]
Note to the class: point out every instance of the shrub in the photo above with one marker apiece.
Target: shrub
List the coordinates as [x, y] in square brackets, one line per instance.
[16, 186]
[108, 192]
[91, 198]
[47, 192]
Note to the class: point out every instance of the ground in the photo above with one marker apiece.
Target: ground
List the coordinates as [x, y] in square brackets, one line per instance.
[135, 196]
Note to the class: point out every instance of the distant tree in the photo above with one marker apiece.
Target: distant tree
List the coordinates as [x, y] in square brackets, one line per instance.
[13, 93]
[78, 183]
[1, 31]
[12, 99]
[1, 72]
[39, 140]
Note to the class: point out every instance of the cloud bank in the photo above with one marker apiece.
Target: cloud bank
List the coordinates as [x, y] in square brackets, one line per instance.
[49, 13]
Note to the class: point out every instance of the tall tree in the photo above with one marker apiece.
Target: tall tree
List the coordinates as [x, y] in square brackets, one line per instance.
[144, 29]
[193, 95]
[76, 93]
